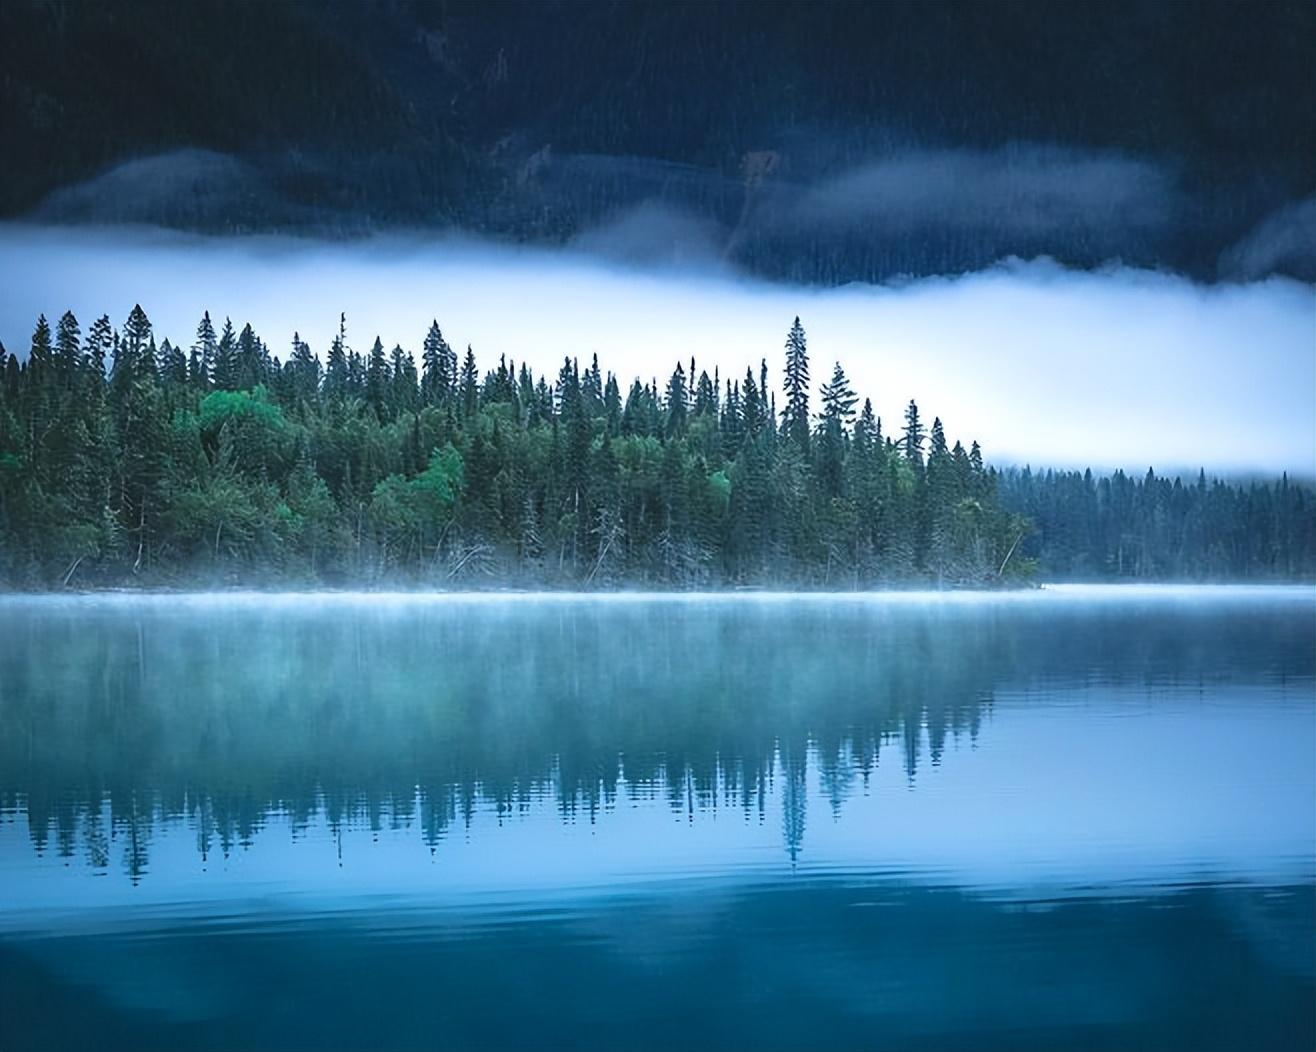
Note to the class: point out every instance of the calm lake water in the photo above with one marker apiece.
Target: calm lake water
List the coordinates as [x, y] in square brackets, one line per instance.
[1074, 818]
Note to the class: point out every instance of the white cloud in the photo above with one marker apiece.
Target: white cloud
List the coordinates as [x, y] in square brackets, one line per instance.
[1115, 368]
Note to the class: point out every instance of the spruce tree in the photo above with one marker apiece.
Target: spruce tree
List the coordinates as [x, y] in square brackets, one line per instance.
[305, 369]
[470, 391]
[838, 402]
[377, 382]
[838, 398]
[437, 360]
[205, 351]
[249, 365]
[795, 423]
[914, 436]
[68, 351]
[676, 409]
[405, 393]
[337, 374]
[224, 375]
[96, 352]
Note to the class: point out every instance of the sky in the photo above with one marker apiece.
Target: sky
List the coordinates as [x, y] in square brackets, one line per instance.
[1110, 368]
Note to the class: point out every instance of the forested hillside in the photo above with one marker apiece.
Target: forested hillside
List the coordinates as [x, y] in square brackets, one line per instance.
[816, 141]
[127, 461]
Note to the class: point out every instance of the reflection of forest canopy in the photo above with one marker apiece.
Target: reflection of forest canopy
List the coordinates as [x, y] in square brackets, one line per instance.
[221, 464]
[419, 715]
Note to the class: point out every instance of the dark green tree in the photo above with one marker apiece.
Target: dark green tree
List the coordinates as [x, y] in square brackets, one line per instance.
[795, 423]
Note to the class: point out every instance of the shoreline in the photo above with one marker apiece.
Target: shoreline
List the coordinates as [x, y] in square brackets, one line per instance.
[1040, 591]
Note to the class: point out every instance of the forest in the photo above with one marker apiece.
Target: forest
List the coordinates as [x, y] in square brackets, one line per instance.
[124, 462]
[606, 125]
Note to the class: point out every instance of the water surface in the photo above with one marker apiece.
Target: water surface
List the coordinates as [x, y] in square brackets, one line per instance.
[1080, 818]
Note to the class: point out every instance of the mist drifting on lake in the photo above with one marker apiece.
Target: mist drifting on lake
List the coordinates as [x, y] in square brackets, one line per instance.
[1116, 368]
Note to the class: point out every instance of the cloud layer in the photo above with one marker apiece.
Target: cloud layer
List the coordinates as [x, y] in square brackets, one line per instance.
[1113, 368]
[811, 212]
[1025, 192]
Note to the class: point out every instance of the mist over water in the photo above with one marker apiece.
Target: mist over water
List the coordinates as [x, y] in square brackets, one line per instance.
[1116, 368]
[991, 821]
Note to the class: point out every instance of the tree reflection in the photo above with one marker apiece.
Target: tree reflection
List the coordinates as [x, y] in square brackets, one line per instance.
[117, 720]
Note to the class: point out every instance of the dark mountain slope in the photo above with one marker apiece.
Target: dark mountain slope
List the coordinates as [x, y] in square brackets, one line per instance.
[820, 141]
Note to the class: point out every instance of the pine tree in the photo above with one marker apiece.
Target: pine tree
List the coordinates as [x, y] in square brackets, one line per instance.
[305, 369]
[675, 404]
[438, 367]
[914, 436]
[795, 424]
[838, 399]
[470, 378]
[173, 365]
[731, 422]
[612, 407]
[68, 351]
[205, 351]
[224, 375]
[942, 501]
[405, 392]
[137, 338]
[249, 364]
[838, 410]
[39, 400]
[337, 374]
[377, 382]
[96, 351]
[591, 386]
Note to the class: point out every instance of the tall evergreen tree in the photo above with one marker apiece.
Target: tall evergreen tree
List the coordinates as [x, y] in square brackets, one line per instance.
[305, 369]
[337, 374]
[675, 405]
[914, 436]
[796, 423]
[378, 382]
[68, 350]
[838, 402]
[438, 367]
[201, 360]
[470, 391]
[224, 375]
[96, 350]
[249, 360]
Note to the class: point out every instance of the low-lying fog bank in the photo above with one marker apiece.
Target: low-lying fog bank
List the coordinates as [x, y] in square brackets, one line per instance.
[1117, 368]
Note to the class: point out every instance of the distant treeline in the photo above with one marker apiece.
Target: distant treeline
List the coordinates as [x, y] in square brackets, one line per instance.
[127, 462]
[1155, 528]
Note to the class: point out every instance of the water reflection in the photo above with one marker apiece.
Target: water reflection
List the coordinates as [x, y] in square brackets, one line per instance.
[120, 718]
[1081, 820]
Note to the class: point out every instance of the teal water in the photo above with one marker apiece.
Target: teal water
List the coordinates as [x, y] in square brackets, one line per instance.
[1073, 818]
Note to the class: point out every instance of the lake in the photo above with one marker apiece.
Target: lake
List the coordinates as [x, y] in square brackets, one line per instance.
[1067, 818]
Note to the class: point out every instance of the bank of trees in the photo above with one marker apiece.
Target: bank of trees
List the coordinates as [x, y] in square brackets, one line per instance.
[127, 460]
[1152, 527]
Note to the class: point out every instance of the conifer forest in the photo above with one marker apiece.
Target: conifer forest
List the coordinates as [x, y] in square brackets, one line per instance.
[131, 461]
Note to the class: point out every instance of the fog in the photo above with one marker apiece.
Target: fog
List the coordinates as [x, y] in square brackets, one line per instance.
[1286, 238]
[1027, 192]
[1115, 368]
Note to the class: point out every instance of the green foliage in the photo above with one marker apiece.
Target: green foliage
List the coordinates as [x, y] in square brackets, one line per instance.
[371, 470]
[441, 480]
[220, 407]
[720, 488]
[1156, 528]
